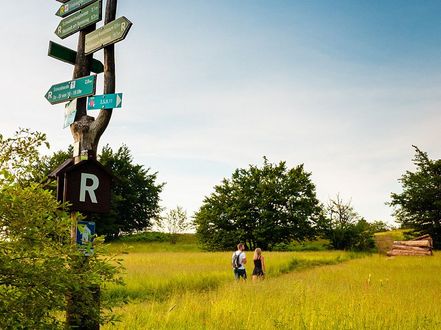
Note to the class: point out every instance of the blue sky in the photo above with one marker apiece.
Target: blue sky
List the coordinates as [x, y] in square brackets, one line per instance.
[345, 87]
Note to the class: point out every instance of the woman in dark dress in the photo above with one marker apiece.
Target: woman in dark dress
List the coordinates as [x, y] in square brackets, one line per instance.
[259, 265]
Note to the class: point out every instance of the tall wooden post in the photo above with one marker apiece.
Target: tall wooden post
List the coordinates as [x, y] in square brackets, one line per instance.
[86, 131]
[83, 313]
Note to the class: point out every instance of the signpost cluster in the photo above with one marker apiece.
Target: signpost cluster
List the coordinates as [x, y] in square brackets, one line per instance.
[83, 181]
[79, 14]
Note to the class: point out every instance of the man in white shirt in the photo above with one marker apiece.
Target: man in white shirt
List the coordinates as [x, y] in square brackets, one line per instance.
[238, 261]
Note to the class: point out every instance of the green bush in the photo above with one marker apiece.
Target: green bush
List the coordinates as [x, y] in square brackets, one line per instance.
[319, 245]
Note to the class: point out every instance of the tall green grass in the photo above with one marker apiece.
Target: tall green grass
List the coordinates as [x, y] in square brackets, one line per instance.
[369, 293]
[157, 277]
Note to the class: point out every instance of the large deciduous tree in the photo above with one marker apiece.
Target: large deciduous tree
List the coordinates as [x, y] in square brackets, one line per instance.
[135, 192]
[260, 207]
[418, 206]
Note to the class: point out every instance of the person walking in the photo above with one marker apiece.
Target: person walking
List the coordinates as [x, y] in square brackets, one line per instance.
[259, 265]
[238, 261]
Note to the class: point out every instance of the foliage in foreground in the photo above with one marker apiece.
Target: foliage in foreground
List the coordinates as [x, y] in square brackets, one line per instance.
[39, 267]
[418, 206]
[260, 207]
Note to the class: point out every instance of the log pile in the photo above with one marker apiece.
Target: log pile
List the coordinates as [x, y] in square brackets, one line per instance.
[420, 246]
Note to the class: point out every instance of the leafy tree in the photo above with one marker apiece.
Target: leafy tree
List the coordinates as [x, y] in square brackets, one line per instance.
[259, 206]
[418, 206]
[345, 228]
[36, 256]
[175, 221]
[47, 164]
[135, 193]
[364, 236]
[380, 226]
[16, 165]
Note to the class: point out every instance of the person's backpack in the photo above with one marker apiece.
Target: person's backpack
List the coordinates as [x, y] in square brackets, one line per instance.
[236, 261]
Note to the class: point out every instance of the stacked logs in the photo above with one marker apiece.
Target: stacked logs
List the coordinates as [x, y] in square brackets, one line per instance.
[420, 246]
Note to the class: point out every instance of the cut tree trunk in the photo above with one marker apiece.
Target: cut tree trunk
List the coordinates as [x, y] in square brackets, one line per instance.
[422, 243]
[409, 253]
[409, 248]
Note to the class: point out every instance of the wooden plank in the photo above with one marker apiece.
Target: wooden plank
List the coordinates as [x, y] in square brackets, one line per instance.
[426, 236]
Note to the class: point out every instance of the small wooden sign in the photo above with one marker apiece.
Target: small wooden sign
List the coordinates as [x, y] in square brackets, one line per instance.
[87, 187]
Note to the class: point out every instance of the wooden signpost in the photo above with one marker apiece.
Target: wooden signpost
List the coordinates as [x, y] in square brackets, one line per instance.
[83, 181]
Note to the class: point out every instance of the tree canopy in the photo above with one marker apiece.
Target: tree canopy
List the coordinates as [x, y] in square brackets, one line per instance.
[418, 206]
[260, 207]
[135, 195]
[135, 192]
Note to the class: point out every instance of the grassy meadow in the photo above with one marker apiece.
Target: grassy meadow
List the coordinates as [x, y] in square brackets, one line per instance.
[174, 288]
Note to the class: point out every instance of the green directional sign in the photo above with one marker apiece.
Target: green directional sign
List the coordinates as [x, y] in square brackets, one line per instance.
[69, 56]
[72, 89]
[72, 6]
[106, 101]
[108, 34]
[80, 20]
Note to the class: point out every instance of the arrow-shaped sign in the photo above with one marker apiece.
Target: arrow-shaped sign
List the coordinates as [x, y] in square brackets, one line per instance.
[80, 20]
[106, 35]
[69, 56]
[72, 6]
[72, 89]
[106, 101]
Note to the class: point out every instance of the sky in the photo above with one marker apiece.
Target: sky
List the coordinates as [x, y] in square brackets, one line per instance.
[343, 87]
